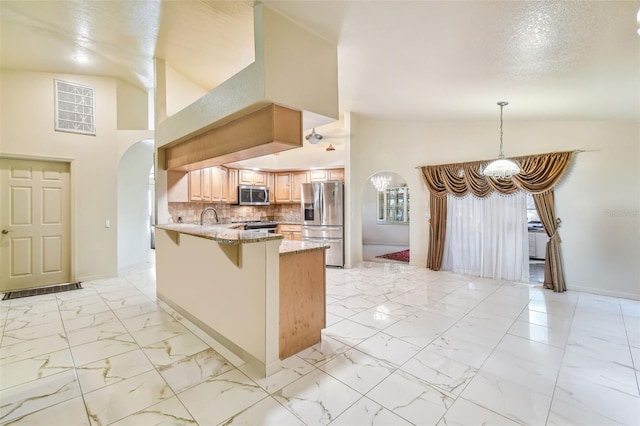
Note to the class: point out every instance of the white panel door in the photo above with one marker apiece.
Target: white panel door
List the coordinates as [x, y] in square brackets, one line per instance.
[34, 223]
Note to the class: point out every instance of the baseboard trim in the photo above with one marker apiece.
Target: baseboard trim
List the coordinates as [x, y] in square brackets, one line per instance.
[604, 292]
[96, 277]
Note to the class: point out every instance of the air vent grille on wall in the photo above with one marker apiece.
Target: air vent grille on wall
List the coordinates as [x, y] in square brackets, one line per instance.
[75, 108]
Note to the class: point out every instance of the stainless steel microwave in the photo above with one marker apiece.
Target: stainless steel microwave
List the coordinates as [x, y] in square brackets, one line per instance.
[251, 195]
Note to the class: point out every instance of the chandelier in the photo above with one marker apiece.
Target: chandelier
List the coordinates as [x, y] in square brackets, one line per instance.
[502, 167]
[381, 182]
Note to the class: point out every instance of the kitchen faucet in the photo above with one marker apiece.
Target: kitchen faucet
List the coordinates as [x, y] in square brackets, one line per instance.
[206, 210]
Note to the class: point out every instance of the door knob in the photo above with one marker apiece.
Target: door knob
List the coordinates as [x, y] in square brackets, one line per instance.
[5, 231]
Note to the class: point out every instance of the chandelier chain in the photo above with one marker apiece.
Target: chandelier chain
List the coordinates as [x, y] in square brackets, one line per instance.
[502, 104]
[501, 153]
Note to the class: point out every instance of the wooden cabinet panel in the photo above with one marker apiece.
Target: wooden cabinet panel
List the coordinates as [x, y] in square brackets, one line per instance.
[216, 193]
[298, 178]
[232, 185]
[318, 175]
[219, 184]
[260, 178]
[252, 177]
[206, 184]
[302, 301]
[288, 186]
[195, 185]
[336, 174]
[271, 182]
[327, 175]
[283, 188]
[290, 232]
[245, 177]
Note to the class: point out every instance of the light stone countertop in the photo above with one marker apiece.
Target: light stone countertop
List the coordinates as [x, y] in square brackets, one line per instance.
[224, 233]
[293, 247]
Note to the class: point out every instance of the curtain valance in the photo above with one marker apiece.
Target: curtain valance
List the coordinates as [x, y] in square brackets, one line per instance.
[539, 173]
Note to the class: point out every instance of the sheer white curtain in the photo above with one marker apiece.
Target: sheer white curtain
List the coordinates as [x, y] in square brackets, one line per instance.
[488, 236]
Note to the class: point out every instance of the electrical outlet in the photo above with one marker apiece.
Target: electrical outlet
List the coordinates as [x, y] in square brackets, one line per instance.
[107, 223]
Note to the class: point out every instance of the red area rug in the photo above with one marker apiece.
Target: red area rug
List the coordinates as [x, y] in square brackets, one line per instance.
[402, 256]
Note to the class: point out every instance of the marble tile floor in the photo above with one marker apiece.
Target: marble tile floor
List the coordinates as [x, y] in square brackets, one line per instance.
[403, 345]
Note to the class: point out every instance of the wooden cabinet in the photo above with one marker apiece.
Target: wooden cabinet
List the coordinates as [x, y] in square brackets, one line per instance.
[209, 185]
[318, 175]
[302, 300]
[290, 232]
[232, 186]
[283, 188]
[298, 178]
[219, 184]
[336, 174]
[288, 186]
[200, 185]
[327, 175]
[271, 183]
[252, 177]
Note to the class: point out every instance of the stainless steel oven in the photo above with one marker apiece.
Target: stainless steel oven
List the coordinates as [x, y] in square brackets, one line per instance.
[269, 227]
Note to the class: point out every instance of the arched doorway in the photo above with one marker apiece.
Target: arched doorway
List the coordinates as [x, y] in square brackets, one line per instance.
[134, 213]
[386, 219]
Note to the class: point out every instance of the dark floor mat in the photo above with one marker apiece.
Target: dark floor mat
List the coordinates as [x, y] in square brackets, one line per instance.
[41, 290]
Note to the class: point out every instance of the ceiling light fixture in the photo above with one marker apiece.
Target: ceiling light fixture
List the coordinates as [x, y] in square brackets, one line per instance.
[81, 59]
[501, 168]
[313, 137]
[330, 148]
[381, 182]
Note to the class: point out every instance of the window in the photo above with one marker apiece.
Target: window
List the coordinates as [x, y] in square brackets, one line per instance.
[75, 109]
[393, 205]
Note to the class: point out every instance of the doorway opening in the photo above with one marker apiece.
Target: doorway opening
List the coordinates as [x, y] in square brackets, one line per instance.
[537, 243]
[386, 219]
[135, 204]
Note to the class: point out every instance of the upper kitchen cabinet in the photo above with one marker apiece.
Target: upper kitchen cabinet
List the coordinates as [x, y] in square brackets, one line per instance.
[327, 175]
[210, 185]
[219, 184]
[253, 177]
[200, 185]
[288, 186]
[232, 185]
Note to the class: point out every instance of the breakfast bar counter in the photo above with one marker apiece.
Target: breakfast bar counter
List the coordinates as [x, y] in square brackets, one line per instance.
[260, 296]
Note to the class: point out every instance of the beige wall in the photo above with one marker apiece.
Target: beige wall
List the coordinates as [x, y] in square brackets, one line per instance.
[27, 130]
[132, 107]
[181, 91]
[598, 201]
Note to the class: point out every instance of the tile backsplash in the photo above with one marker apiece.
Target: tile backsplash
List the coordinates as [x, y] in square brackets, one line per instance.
[190, 212]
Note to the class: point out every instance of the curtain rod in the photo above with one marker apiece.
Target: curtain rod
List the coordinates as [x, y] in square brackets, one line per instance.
[574, 151]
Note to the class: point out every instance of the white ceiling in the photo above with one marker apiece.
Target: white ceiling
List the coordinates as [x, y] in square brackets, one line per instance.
[418, 60]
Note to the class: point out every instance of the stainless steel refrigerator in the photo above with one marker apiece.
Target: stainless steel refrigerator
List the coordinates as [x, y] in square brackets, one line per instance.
[323, 218]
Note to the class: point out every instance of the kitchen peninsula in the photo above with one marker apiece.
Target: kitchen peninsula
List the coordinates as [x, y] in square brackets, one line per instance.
[261, 297]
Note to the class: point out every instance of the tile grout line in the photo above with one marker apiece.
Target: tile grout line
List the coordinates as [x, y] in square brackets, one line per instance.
[491, 353]
[633, 362]
[564, 352]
